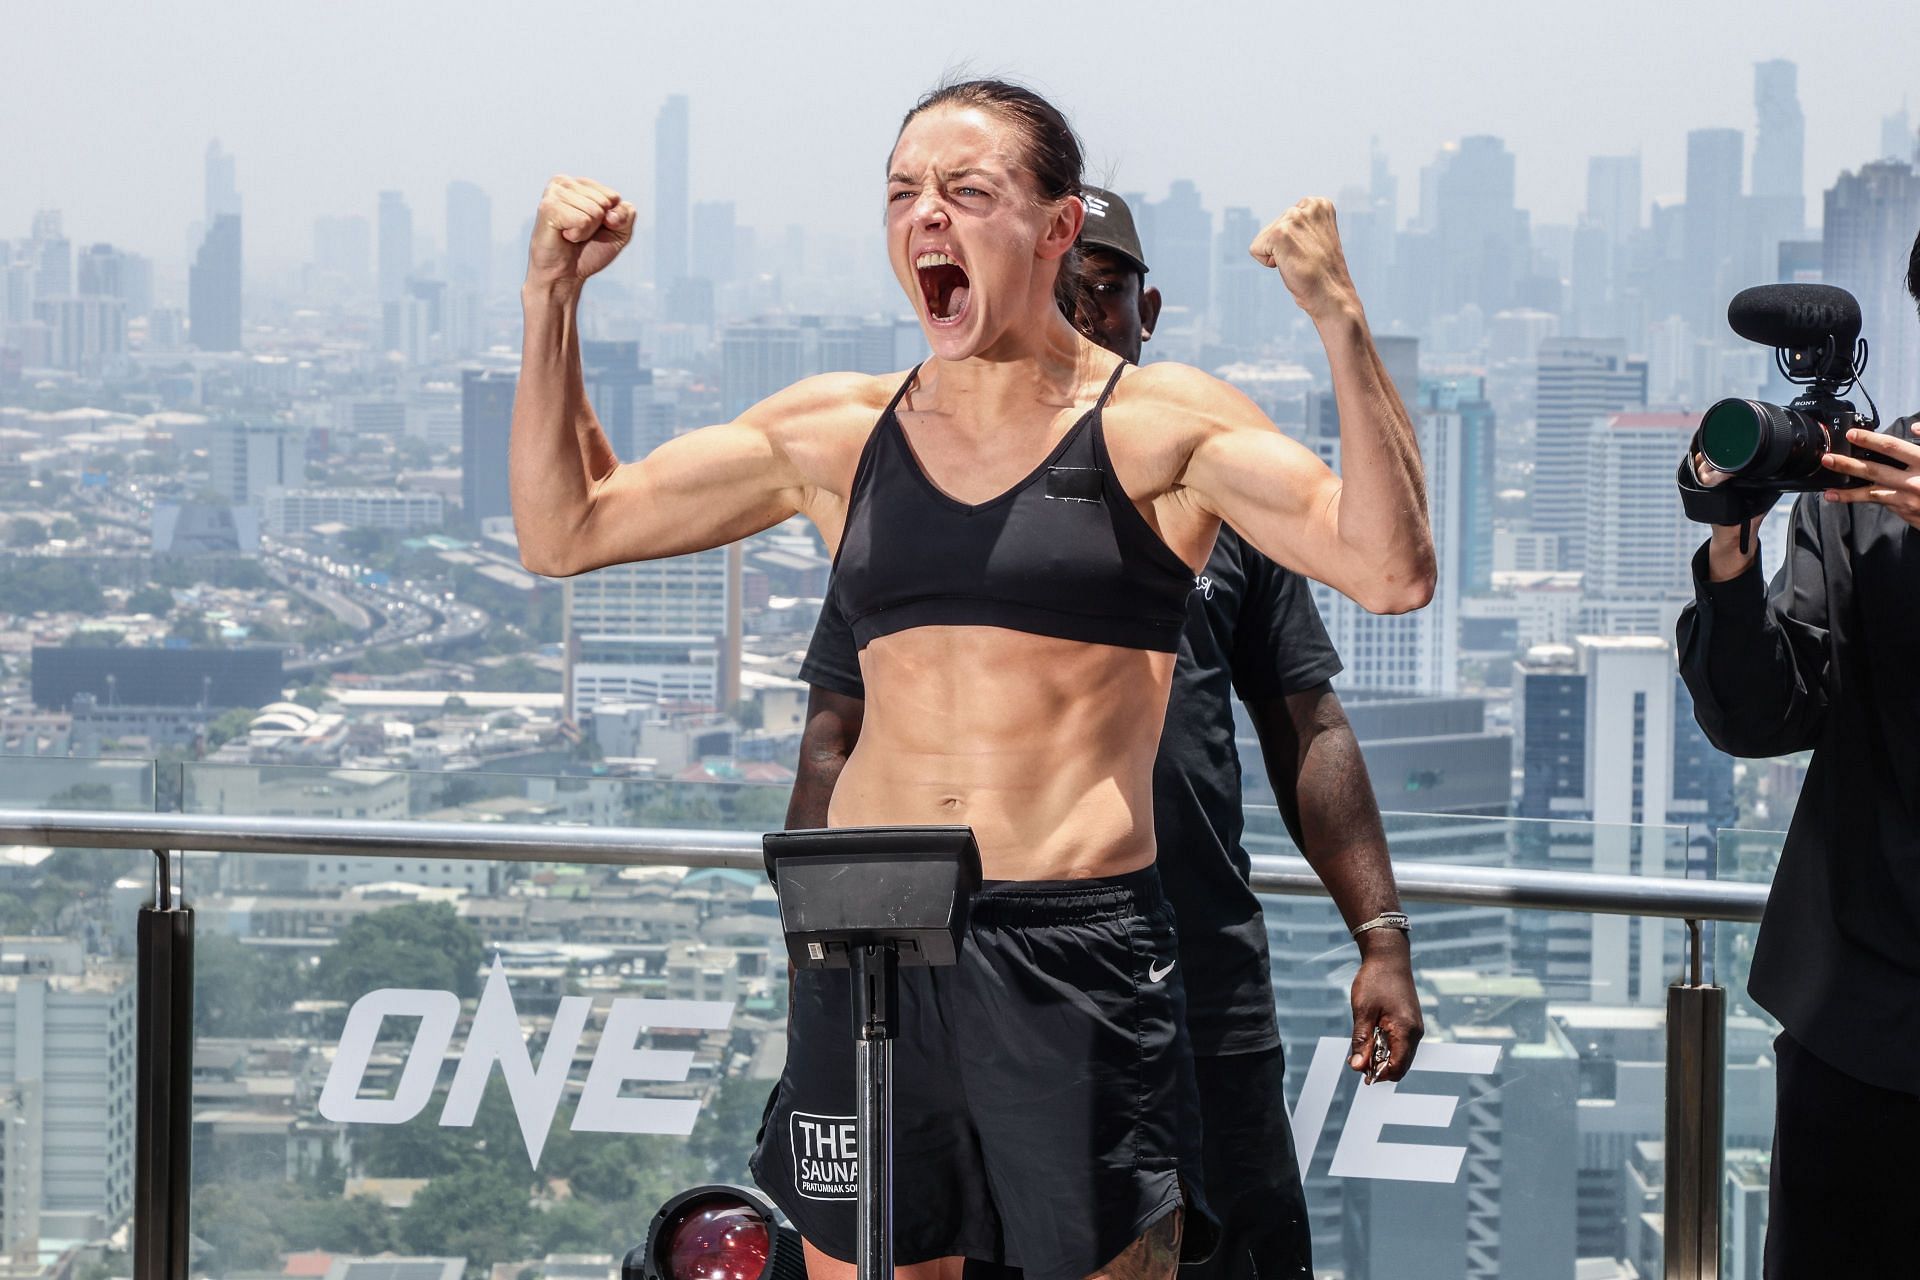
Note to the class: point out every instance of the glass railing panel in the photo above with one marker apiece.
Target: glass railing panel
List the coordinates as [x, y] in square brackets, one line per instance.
[1748, 856]
[1542, 1148]
[379, 1074]
[70, 782]
[68, 929]
[476, 796]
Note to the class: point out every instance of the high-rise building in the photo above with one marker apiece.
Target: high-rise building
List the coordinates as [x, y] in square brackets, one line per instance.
[66, 1080]
[1579, 381]
[223, 196]
[714, 236]
[247, 459]
[1777, 209]
[52, 256]
[1177, 235]
[760, 357]
[1464, 396]
[671, 149]
[396, 245]
[1510, 1209]
[1613, 196]
[1639, 543]
[1467, 201]
[1871, 217]
[665, 631]
[1245, 295]
[621, 392]
[469, 238]
[84, 334]
[486, 422]
[1712, 227]
[1606, 736]
[107, 272]
[213, 287]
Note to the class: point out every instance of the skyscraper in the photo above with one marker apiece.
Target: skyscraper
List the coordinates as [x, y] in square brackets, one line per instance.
[52, 256]
[1245, 287]
[1871, 217]
[107, 272]
[671, 146]
[712, 250]
[213, 287]
[1613, 195]
[1470, 561]
[396, 245]
[486, 421]
[1177, 234]
[223, 197]
[1639, 541]
[469, 237]
[1777, 209]
[1579, 381]
[1712, 227]
[1468, 193]
[1601, 725]
[84, 333]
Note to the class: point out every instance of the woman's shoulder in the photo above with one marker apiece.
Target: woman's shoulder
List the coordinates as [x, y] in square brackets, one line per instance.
[834, 393]
[1169, 387]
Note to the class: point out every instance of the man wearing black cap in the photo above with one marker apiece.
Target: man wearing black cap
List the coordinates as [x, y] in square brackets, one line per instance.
[1252, 629]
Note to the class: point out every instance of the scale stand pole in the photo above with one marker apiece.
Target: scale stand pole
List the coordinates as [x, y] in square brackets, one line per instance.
[876, 1003]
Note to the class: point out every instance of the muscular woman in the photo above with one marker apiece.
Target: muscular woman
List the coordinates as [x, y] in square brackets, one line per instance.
[1016, 524]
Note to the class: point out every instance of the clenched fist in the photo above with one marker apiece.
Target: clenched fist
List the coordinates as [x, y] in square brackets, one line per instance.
[1304, 243]
[580, 227]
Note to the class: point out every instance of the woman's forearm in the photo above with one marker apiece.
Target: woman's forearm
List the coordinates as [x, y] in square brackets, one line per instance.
[1383, 496]
[557, 450]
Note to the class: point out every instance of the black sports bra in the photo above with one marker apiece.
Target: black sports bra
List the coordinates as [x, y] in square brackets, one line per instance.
[1063, 553]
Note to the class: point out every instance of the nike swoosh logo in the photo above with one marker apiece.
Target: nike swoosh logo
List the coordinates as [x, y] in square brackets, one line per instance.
[1155, 972]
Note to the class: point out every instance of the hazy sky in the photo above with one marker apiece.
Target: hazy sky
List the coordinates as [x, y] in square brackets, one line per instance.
[106, 109]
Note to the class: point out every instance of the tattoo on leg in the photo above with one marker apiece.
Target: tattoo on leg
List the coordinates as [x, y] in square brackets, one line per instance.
[1154, 1256]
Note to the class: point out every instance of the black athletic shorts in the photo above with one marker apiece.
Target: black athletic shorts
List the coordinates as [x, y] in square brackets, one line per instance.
[1252, 1178]
[1045, 1111]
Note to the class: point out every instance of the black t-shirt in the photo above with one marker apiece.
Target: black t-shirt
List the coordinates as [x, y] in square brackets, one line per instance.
[1828, 658]
[1252, 629]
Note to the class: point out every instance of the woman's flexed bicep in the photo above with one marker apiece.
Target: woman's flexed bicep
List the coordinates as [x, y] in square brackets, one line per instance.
[704, 489]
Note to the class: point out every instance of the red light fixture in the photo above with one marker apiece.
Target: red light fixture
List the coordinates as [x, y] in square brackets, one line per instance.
[716, 1232]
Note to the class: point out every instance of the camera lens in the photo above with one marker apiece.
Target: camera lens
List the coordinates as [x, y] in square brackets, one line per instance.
[1731, 433]
[1763, 443]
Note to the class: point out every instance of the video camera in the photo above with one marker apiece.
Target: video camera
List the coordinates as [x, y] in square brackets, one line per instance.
[1770, 449]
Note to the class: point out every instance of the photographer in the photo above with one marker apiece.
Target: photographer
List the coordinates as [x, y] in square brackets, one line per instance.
[1828, 658]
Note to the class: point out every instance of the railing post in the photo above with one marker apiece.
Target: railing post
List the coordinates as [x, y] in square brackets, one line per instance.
[1696, 1084]
[163, 1084]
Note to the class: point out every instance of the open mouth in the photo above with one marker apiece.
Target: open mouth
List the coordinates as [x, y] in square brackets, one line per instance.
[944, 284]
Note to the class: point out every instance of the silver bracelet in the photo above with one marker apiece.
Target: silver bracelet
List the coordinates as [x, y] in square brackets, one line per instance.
[1387, 920]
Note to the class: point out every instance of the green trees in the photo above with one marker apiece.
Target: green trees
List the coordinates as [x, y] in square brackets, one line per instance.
[243, 991]
[229, 724]
[420, 944]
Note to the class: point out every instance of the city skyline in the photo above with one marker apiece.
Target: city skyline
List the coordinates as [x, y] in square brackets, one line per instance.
[388, 127]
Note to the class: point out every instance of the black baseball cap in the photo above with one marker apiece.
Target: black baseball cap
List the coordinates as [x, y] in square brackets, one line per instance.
[1109, 225]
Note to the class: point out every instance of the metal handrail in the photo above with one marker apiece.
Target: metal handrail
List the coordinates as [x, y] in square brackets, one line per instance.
[1440, 882]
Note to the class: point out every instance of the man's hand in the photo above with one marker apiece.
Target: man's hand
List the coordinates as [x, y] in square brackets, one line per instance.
[579, 228]
[1890, 487]
[1725, 560]
[1304, 243]
[1384, 998]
